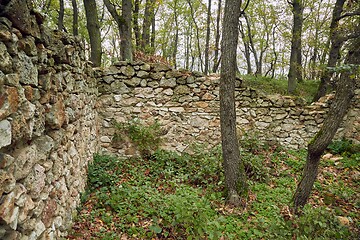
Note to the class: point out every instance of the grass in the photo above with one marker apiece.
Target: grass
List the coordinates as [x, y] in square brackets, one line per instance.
[306, 89]
[168, 196]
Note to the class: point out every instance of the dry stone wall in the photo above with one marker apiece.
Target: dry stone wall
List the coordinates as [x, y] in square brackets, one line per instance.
[187, 107]
[48, 125]
[50, 99]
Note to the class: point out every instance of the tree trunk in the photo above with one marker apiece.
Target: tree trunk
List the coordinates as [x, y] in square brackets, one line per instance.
[125, 31]
[93, 27]
[61, 16]
[344, 93]
[75, 18]
[197, 34]
[246, 49]
[251, 45]
[176, 37]
[124, 25]
[334, 53]
[152, 35]
[207, 40]
[235, 179]
[136, 23]
[295, 70]
[217, 39]
[148, 16]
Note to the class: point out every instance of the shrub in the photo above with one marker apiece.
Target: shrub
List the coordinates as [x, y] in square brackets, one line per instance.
[145, 138]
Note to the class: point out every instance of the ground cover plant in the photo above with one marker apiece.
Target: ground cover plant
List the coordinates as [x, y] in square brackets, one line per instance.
[305, 89]
[167, 196]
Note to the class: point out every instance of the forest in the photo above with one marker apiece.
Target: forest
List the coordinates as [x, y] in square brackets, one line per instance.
[245, 188]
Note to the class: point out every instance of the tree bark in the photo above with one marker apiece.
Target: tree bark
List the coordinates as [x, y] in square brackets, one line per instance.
[334, 53]
[93, 27]
[75, 18]
[61, 16]
[235, 179]
[136, 23]
[343, 96]
[125, 31]
[176, 37]
[217, 39]
[148, 16]
[207, 40]
[197, 34]
[295, 70]
[124, 24]
[246, 49]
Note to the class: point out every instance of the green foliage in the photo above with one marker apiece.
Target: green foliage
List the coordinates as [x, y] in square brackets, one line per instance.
[344, 147]
[145, 138]
[320, 223]
[169, 196]
[306, 89]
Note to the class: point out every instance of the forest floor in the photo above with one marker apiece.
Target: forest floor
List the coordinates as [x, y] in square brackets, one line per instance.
[167, 196]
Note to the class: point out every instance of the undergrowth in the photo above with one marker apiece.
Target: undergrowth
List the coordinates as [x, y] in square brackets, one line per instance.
[306, 89]
[168, 196]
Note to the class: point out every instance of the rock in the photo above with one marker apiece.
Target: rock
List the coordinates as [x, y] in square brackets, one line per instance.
[132, 82]
[118, 87]
[142, 74]
[7, 182]
[9, 101]
[343, 221]
[5, 134]
[49, 212]
[5, 59]
[127, 71]
[160, 67]
[27, 70]
[28, 46]
[24, 161]
[105, 139]
[8, 210]
[168, 83]
[182, 90]
[19, 14]
[35, 181]
[55, 118]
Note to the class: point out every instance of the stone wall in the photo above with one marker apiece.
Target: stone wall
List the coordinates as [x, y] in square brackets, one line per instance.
[48, 125]
[187, 107]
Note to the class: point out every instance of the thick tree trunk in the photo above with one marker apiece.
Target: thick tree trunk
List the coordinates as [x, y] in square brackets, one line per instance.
[344, 94]
[295, 70]
[75, 18]
[207, 40]
[93, 27]
[125, 31]
[235, 178]
[217, 39]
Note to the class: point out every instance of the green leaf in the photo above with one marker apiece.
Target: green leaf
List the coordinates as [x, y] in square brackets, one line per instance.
[155, 228]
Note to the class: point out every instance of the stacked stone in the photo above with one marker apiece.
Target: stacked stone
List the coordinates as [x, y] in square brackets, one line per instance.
[47, 125]
[186, 104]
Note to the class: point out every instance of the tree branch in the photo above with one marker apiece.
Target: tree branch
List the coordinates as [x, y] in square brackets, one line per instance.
[357, 13]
